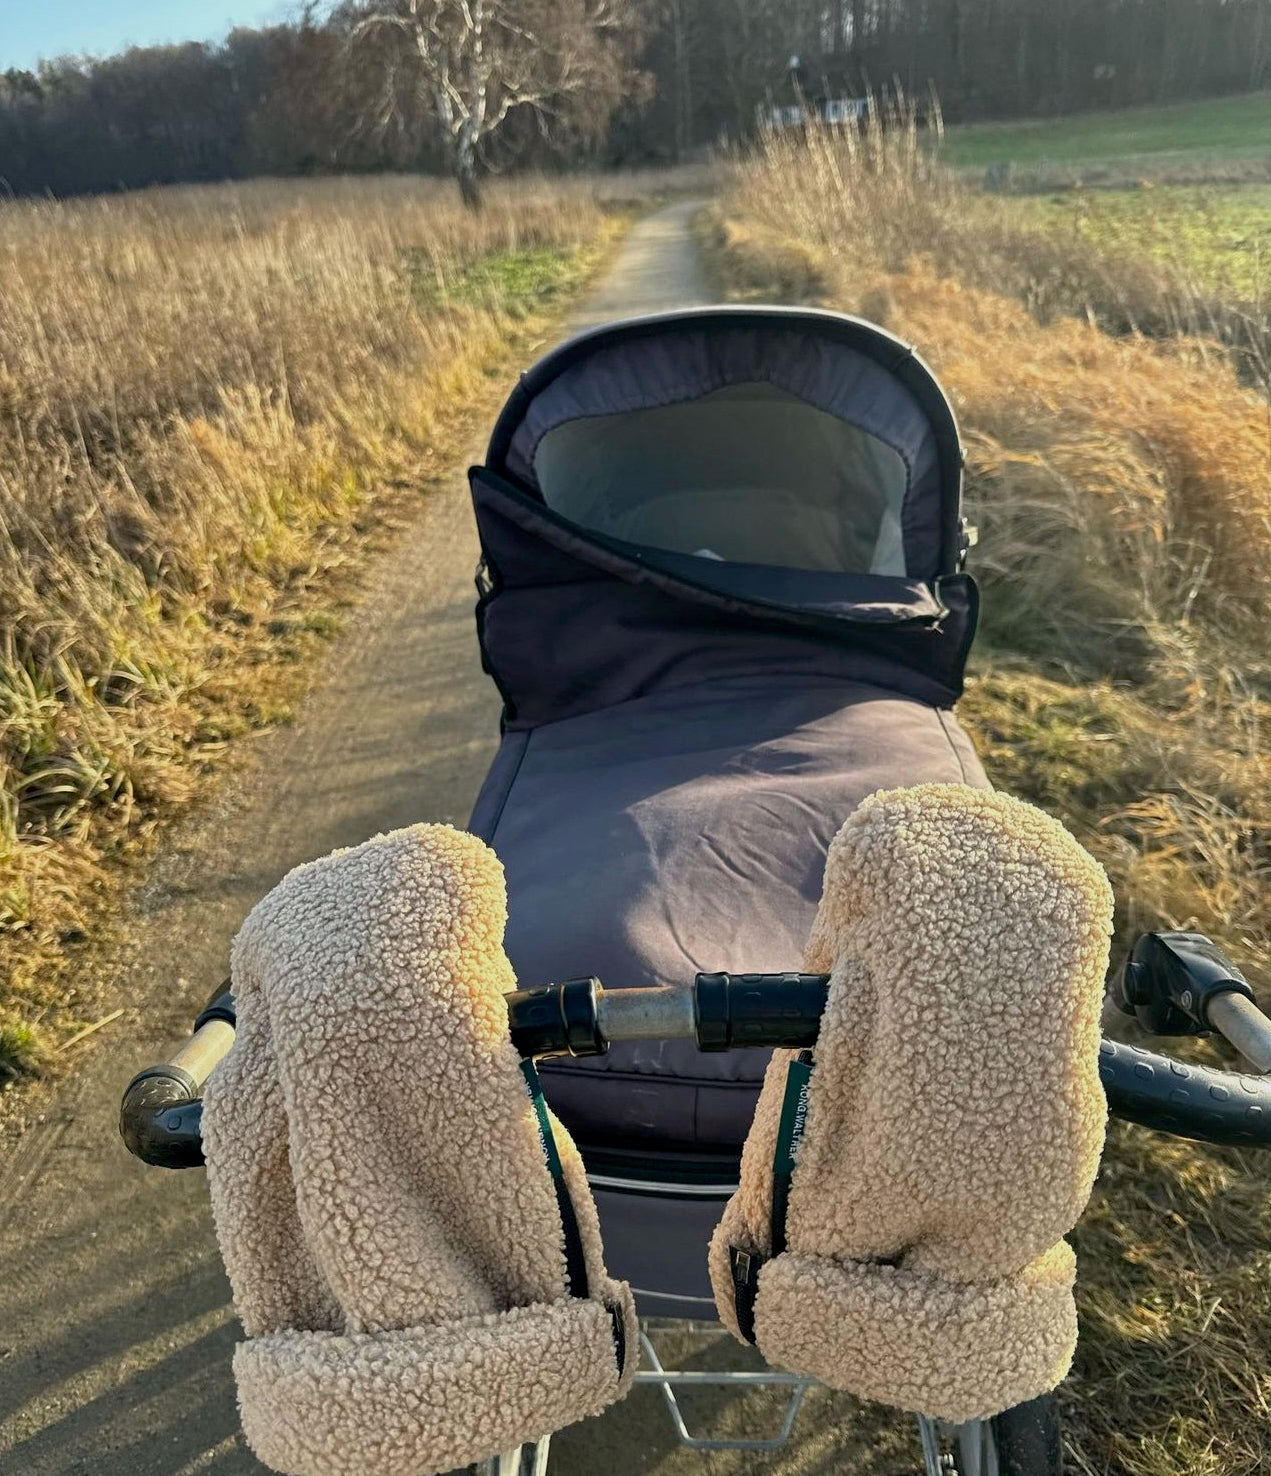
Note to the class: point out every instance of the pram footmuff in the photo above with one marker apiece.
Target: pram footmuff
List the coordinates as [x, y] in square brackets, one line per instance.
[722, 598]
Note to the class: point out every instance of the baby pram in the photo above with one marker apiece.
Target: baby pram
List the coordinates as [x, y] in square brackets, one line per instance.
[722, 596]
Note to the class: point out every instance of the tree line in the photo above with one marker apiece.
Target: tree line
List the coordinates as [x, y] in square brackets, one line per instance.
[469, 85]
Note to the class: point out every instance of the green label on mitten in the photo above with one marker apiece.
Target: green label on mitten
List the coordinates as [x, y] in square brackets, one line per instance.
[794, 1121]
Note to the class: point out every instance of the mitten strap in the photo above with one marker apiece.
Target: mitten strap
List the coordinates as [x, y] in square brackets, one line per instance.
[747, 1264]
[577, 1283]
[794, 1121]
[575, 1262]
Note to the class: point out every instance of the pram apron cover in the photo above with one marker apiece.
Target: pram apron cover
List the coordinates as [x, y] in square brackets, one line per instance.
[721, 599]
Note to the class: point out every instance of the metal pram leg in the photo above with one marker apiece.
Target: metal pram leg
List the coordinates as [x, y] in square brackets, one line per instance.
[653, 1372]
[532, 1460]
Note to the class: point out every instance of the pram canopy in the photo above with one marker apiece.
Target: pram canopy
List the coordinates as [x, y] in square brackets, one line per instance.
[722, 598]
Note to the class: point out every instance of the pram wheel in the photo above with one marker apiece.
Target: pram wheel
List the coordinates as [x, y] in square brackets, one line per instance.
[1023, 1441]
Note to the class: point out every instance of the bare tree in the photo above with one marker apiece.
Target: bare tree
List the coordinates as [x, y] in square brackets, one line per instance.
[473, 63]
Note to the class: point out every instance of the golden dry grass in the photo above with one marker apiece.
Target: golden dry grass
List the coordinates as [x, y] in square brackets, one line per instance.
[890, 192]
[1122, 488]
[201, 393]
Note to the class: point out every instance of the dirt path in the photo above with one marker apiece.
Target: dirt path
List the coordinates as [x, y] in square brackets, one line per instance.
[115, 1323]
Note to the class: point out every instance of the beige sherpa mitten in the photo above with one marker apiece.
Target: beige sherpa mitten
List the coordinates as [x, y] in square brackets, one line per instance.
[418, 1288]
[948, 1131]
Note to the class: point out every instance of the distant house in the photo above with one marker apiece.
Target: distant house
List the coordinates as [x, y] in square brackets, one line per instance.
[804, 96]
[845, 109]
[835, 111]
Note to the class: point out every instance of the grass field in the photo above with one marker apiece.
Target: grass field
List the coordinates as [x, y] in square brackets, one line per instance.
[1227, 126]
[1122, 487]
[214, 400]
[1218, 237]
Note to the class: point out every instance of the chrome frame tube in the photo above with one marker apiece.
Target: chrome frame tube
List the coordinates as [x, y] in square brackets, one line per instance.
[525, 1460]
[668, 1013]
[204, 1050]
[932, 1456]
[973, 1447]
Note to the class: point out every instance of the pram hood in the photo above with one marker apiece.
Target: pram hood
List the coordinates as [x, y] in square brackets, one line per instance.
[717, 491]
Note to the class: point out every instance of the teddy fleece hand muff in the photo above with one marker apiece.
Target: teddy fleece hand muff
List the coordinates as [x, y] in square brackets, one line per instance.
[905, 1189]
[412, 1245]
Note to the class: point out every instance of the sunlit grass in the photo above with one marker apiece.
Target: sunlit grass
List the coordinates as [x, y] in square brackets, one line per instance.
[203, 392]
[1218, 236]
[532, 276]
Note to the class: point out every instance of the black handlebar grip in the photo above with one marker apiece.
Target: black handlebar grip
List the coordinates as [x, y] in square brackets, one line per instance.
[557, 1019]
[220, 1007]
[739, 1010]
[161, 1116]
[1184, 1099]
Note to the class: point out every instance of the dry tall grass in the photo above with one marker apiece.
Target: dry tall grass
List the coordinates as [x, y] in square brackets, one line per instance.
[890, 191]
[1122, 487]
[199, 390]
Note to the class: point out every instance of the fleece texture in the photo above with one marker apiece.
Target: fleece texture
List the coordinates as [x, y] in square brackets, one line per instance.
[954, 1115]
[390, 1227]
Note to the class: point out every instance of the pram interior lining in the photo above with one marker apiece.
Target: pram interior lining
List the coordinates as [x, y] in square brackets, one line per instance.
[749, 473]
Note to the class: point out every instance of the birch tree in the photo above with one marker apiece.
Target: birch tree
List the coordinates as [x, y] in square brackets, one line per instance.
[475, 63]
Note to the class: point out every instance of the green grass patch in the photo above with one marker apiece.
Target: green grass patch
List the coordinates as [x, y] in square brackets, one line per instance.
[23, 1052]
[504, 280]
[1218, 237]
[1226, 125]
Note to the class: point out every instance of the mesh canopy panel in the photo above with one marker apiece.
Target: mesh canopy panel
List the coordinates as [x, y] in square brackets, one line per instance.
[749, 473]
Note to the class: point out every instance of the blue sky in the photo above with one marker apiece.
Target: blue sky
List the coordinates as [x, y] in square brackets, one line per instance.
[31, 29]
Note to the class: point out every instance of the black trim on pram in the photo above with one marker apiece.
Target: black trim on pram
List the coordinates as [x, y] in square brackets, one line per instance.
[904, 634]
[664, 1175]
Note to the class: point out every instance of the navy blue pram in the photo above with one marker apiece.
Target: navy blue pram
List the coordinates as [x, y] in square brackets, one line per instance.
[721, 595]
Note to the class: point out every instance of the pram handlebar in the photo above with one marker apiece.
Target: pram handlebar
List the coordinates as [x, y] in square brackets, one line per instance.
[721, 1012]
[160, 1113]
